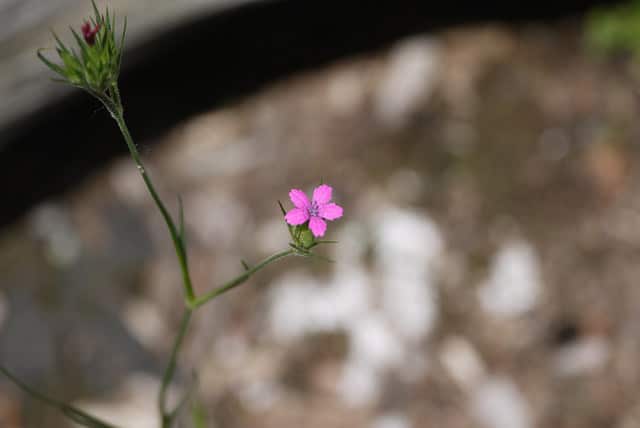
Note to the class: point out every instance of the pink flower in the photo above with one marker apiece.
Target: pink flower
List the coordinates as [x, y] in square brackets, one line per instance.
[316, 211]
[89, 33]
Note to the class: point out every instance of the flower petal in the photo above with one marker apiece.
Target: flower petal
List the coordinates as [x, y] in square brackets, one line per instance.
[322, 194]
[297, 216]
[318, 226]
[330, 211]
[299, 198]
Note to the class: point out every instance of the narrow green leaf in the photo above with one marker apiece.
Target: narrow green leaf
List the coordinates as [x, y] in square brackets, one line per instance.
[321, 258]
[107, 20]
[121, 47]
[284, 212]
[61, 46]
[95, 10]
[245, 265]
[71, 412]
[182, 234]
[198, 415]
[82, 44]
[299, 250]
[289, 227]
[112, 28]
[82, 418]
[54, 67]
[181, 229]
[316, 243]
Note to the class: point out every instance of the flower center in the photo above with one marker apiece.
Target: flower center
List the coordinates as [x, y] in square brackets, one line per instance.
[314, 209]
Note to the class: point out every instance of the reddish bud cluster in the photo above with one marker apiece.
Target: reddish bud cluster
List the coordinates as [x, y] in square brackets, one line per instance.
[89, 33]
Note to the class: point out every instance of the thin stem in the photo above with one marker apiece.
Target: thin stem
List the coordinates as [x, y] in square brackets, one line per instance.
[196, 303]
[114, 105]
[171, 368]
[115, 108]
[71, 412]
[28, 389]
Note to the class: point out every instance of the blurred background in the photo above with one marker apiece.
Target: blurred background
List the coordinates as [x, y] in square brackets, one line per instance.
[487, 270]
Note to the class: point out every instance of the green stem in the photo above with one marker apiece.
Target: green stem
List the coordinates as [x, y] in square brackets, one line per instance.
[71, 412]
[114, 105]
[170, 370]
[196, 303]
[115, 108]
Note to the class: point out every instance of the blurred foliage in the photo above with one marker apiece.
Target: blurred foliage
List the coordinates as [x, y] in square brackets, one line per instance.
[615, 29]
[198, 415]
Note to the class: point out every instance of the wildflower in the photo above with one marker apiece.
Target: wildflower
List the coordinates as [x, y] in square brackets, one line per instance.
[315, 211]
[89, 33]
[94, 63]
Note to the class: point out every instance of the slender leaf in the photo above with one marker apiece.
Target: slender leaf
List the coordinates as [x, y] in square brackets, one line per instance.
[54, 67]
[289, 227]
[69, 411]
[284, 212]
[82, 44]
[198, 415]
[95, 10]
[181, 231]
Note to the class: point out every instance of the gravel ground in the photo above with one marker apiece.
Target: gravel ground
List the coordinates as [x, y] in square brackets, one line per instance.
[486, 274]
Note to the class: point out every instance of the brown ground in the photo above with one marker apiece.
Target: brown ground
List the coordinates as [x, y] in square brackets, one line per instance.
[490, 140]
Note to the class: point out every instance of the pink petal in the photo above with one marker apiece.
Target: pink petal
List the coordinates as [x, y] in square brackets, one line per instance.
[297, 216]
[317, 226]
[322, 194]
[330, 211]
[299, 198]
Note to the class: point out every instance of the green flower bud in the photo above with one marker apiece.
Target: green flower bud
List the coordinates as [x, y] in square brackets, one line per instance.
[306, 238]
[94, 65]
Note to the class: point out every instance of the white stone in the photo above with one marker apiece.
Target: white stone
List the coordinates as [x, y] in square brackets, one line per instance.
[462, 362]
[410, 304]
[144, 320]
[583, 356]
[51, 222]
[391, 420]
[302, 305]
[409, 80]
[359, 385]
[514, 282]
[373, 343]
[407, 242]
[497, 403]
